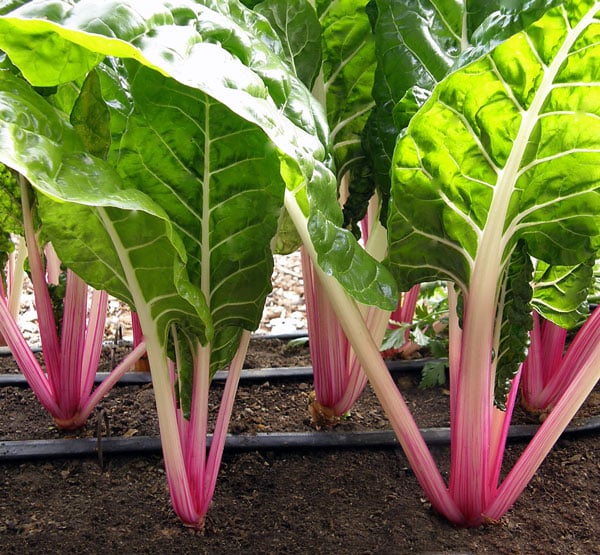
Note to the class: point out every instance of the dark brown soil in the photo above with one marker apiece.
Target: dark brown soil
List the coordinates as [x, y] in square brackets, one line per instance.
[305, 501]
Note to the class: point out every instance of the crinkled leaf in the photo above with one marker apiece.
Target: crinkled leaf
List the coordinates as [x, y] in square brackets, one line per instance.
[90, 117]
[570, 282]
[10, 210]
[116, 238]
[217, 176]
[418, 43]
[10, 204]
[515, 312]
[239, 70]
[346, 91]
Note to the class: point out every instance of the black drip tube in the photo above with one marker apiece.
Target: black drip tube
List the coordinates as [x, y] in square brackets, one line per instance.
[91, 447]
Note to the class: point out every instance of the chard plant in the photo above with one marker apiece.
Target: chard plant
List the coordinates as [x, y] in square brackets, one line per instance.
[519, 174]
[211, 136]
[71, 326]
[331, 47]
[497, 169]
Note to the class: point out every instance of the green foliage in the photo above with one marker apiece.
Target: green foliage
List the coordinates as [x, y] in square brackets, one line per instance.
[298, 28]
[434, 374]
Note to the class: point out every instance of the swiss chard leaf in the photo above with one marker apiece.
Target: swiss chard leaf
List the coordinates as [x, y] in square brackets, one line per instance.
[346, 91]
[516, 322]
[244, 88]
[104, 229]
[505, 151]
[298, 28]
[570, 282]
[417, 43]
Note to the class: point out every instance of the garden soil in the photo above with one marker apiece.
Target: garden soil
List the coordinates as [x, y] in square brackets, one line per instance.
[325, 501]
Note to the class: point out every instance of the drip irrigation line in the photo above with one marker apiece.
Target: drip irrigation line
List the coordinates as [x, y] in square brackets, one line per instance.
[91, 447]
[249, 375]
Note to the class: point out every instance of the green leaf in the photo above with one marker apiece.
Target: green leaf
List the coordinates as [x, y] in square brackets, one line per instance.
[516, 324]
[503, 144]
[217, 176]
[298, 28]
[241, 70]
[90, 117]
[418, 43]
[572, 283]
[10, 207]
[433, 374]
[346, 92]
[506, 150]
[117, 238]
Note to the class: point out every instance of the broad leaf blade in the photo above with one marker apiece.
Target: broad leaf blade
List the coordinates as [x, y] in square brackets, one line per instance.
[506, 150]
[348, 69]
[217, 176]
[572, 283]
[418, 43]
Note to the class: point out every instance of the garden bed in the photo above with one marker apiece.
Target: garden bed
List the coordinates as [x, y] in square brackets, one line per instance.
[269, 500]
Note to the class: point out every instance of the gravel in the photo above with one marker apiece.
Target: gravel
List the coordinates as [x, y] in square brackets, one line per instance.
[285, 310]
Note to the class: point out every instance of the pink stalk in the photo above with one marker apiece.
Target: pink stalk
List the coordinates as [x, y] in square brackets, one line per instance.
[14, 283]
[471, 417]
[53, 269]
[93, 341]
[92, 401]
[584, 362]
[141, 364]
[67, 376]
[194, 447]
[192, 469]
[327, 343]
[405, 314]
[223, 417]
[500, 427]
[375, 320]
[43, 304]
[15, 277]
[26, 360]
[406, 307]
[338, 377]
[136, 328]
[544, 375]
[64, 388]
[392, 401]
